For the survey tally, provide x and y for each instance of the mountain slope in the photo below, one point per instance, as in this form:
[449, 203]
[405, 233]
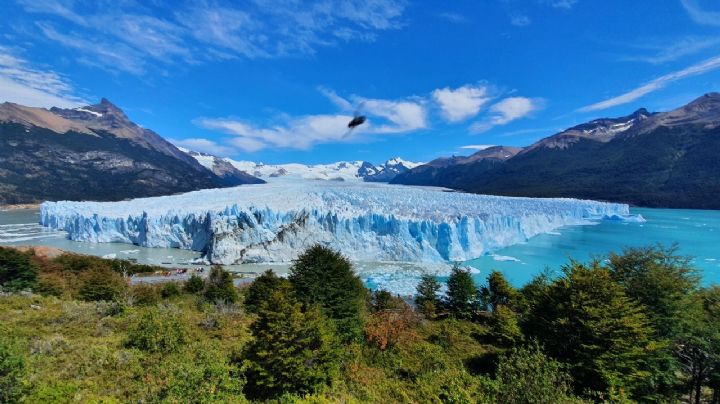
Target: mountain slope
[666, 159]
[454, 172]
[230, 175]
[93, 152]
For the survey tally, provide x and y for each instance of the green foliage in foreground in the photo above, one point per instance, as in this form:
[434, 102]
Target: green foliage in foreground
[262, 287]
[635, 327]
[17, 270]
[462, 294]
[526, 375]
[293, 351]
[323, 277]
[12, 371]
[219, 286]
[158, 331]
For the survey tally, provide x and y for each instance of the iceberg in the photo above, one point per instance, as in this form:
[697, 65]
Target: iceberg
[365, 221]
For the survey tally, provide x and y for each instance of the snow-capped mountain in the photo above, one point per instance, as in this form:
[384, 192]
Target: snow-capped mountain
[339, 171]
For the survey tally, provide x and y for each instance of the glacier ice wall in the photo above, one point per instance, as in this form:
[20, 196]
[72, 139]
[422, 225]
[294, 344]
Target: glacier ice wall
[366, 222]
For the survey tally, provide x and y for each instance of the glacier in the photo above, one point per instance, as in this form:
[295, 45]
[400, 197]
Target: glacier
[365, 221]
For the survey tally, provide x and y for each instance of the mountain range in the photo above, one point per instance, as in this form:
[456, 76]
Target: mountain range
[659, 159]
[93, 152]
[339, 171]
[664, 159]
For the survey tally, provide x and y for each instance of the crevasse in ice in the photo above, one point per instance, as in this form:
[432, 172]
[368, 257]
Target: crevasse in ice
[366, 222]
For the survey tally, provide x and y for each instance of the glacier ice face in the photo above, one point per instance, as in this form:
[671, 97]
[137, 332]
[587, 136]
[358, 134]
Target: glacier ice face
[365, 221]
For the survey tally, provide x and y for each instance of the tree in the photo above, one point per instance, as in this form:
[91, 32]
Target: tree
[664, 283]
[17, 270]
[659, 279]
[462, 295]
[699, 348]
[12, 371]
[526, 375]
[158, 331]
[586, 320]
[325, 277]
[426, 299]
[382, 300]
[261, 289]
[101, 284]
[219, 286]
[498, 291]
[505, 327]
[194, 285]
[293, 351]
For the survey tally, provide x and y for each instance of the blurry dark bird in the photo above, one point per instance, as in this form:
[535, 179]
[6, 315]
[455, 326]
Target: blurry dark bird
[357, 121]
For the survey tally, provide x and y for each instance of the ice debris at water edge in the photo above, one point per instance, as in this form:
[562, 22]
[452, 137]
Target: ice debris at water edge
[366, 222]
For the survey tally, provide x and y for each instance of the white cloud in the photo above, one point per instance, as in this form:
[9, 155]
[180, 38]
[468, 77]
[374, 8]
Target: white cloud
[668, 51]
[128, 36]
[298, 133]
[453, 17]
[656, 84]
[114, 57]
[506, 111]
[699, 15]
[477, 146]
[461, 103]
[339, 102]
[202, 145]
[566, 4]
[24, 84]
[520, 20]
[403, 116]
[384, 117]
[399, 115]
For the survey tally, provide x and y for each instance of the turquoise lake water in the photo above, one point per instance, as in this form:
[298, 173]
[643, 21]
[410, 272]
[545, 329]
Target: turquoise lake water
[697, 233]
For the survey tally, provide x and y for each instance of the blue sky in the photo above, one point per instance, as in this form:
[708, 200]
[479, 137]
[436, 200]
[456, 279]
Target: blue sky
[277, 81]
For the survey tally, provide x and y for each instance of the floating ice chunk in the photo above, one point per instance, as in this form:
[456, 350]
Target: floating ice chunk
[504, 258]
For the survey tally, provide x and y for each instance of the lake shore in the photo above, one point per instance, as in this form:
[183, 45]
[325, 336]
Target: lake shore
[20, 206]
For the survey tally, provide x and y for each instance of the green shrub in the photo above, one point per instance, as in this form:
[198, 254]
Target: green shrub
[158, 331]
[170, 290]
[526, 375]
[194, 285]
[101, 284]
[202, 375]
[17, 270]
[145, 295]
[12, 371]
[51, 284]
[219, 286]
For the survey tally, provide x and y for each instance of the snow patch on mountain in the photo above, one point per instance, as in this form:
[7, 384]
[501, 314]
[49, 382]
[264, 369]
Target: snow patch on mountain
[339, 171]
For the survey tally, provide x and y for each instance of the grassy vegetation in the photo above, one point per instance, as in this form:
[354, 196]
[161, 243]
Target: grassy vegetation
[635, 328]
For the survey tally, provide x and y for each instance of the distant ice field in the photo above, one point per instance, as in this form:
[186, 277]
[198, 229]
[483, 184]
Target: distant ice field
[365, 221]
